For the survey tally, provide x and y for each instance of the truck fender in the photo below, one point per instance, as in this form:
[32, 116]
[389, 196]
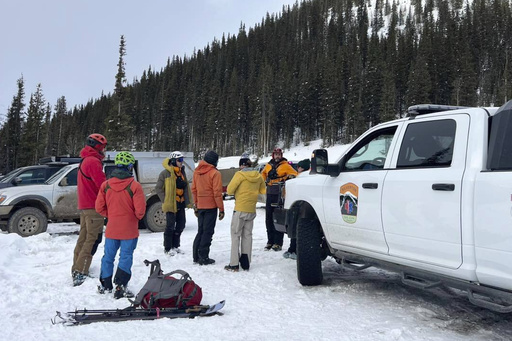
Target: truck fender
[294, 213]
[36, 201]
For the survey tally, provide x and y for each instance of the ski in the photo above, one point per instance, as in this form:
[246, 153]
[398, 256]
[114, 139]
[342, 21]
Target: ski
[86, 316]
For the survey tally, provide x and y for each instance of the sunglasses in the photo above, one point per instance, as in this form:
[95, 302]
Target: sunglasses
[179, 159]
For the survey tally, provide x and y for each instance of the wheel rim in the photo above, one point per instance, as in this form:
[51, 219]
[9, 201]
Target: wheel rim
[28, 225]
[159, 218]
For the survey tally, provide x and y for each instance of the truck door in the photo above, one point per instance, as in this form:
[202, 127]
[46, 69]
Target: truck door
[65, 204]
[421, 201]
[352, 200]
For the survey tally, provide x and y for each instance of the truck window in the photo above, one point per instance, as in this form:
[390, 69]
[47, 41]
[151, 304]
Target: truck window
[427, 144]
[371, 152]
[71, 178]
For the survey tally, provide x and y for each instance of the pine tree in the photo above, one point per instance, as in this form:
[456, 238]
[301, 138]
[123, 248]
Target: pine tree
[31, 146]
[119, 125]
[15, 120]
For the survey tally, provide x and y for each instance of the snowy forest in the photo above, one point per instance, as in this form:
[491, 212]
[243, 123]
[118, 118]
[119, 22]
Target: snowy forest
[319, 69]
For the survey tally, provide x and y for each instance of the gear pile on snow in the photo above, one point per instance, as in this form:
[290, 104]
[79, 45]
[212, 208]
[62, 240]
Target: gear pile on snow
[162, 296]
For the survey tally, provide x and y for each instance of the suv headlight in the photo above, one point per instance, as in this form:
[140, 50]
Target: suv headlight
[2, 198]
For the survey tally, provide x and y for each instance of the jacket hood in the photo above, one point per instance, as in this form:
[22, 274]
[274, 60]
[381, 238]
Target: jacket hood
[90, 151]
[250, 174]
[118, 184]
[204, 167]
[166, 165]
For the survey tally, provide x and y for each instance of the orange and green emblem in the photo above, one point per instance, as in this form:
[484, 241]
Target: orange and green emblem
[349, 193]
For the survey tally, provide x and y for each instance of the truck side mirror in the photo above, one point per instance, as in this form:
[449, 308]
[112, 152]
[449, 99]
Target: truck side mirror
[319, 161]
[16, 181]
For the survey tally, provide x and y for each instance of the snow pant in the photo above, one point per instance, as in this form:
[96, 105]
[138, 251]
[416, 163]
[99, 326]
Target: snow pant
[273, 236]
[241, 236]
[91, 225]
[207, 219]
[293, 245]
[174, 228]
[124, 267]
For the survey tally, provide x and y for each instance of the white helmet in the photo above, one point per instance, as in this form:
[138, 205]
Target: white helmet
[175, 155]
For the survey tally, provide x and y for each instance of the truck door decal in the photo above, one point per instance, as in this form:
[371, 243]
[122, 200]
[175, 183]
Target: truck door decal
[349, 193]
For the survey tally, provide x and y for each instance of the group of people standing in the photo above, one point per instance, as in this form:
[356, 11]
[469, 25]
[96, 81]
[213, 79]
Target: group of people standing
[120, 203]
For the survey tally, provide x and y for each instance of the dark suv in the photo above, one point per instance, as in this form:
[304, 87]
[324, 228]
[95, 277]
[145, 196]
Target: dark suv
[33, 175]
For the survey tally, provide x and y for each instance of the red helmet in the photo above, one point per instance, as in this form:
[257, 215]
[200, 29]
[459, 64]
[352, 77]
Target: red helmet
[97, 141]
[277, 151]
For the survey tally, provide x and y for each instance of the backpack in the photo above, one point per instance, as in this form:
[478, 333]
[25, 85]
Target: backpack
[165, 291]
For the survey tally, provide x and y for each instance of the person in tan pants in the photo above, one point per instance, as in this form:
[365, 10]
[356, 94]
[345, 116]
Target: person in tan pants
[245, 186]
[90, 177]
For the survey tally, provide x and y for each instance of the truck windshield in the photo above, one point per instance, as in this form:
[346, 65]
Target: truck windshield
[57, 175]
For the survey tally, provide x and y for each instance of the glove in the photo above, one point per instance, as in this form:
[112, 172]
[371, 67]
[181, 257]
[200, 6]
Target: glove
[221, 215]
[196, 212]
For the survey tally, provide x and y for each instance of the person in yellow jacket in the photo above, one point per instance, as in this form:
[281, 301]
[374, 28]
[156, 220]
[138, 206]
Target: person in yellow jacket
[245, 185]
[174, 193]
[276, 171]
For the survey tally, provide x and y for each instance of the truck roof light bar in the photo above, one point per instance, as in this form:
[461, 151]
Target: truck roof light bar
[422, 109]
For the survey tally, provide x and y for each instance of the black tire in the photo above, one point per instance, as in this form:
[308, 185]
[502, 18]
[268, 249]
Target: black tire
[309, 252]
[155, 220]
[28, 221]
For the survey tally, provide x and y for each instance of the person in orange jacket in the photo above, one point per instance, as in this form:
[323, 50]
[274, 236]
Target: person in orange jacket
[122, 201]
[207, 192]
[276, 171]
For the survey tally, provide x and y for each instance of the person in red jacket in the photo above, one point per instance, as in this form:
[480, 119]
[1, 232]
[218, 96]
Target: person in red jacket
[90, 177]
[207, 192]
[121, 200]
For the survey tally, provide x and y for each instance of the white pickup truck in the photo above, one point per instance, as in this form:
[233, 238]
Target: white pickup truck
[428, 196]
[26, 210]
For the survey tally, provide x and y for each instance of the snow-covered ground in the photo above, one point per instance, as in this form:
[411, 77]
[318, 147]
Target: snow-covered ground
[265, 303]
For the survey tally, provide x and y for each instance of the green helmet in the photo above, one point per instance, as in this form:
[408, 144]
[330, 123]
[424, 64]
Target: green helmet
[124, 159]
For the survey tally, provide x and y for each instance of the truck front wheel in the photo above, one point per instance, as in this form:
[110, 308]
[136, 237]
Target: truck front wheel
[309, 252]
[155, 220]
[28, 221]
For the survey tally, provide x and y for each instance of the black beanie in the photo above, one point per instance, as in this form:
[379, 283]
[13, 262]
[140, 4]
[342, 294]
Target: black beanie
[244, 162]
[304, 164]
[211, 157]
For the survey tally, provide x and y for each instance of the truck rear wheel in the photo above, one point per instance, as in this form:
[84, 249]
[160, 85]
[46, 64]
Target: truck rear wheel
[155, 220]
[309, 252]
[28, 221]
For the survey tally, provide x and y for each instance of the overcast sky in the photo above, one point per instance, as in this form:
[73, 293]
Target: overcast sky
[71, 47]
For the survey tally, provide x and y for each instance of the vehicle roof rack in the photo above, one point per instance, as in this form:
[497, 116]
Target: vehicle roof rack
[66, 159]
[422, 109]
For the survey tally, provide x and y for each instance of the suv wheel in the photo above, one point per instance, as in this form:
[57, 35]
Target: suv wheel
[27, 221]
[155, 220]
[309, 252]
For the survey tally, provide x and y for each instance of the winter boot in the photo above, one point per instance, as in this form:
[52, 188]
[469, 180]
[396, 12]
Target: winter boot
[268, 247]
[102, 290]
[170, 252]
[206, 261]
[106, 285]
[233, 268]
[78, 278]
[276, 247]
[244, 261]
[122, 291]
